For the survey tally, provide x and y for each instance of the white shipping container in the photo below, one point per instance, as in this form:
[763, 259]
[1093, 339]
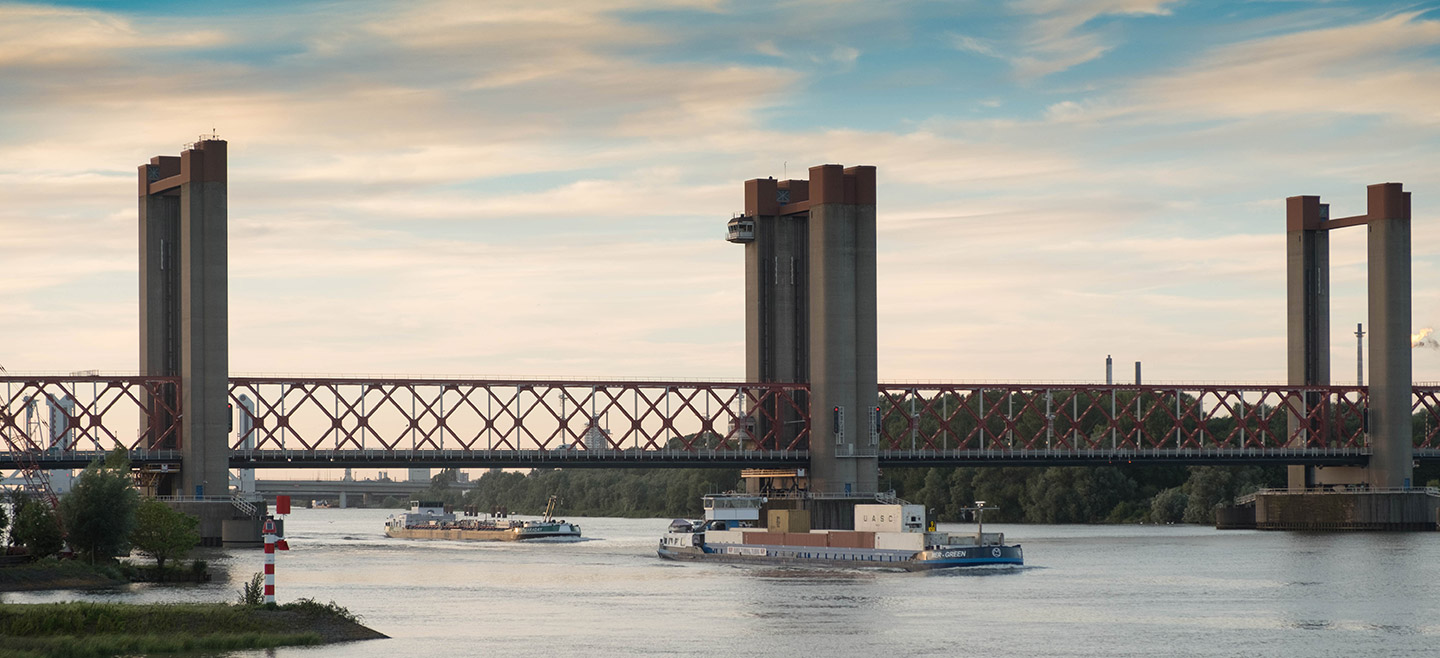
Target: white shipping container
[900, 541]
[728, 536]
[890, 518]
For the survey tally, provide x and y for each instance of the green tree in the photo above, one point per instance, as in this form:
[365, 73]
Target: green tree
[4, 525]
[99, 511]
[37, 529]
[1169, 506]
[163, 533]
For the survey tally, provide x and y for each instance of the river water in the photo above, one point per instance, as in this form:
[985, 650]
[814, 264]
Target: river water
[1085, 591]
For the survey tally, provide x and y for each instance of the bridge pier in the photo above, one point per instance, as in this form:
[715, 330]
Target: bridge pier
[1344, 497]
[184, 312]
[811, 313]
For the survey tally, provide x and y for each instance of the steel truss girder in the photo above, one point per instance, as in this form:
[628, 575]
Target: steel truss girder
[1086, 418]
[602, 421]
[339, 414]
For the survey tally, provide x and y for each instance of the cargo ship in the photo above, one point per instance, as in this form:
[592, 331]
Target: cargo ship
[890, 534]
[430, 520]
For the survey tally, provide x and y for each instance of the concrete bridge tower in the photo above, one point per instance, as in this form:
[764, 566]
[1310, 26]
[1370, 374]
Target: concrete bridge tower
[1387, 222]
[810, 312]
[184, 308]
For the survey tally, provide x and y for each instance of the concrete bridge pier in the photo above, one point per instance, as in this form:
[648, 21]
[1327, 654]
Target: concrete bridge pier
[1340, 498]
[810, 316]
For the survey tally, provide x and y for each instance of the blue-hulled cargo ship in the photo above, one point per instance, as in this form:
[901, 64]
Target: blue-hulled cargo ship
[890, 534]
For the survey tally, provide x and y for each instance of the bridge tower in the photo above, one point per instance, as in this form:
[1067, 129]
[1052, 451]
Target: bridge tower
[810, 311]
[184, 308]
[1387, 221]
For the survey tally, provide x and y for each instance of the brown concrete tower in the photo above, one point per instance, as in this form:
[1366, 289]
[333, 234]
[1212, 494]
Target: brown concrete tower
[1307, 273]
[1391, 380]
[184, 309]
[810, 311]
[1387, 222]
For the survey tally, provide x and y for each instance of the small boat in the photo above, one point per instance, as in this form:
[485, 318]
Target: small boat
[887, 534]
[430, 520]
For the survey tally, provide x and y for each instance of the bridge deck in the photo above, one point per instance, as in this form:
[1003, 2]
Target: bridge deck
[292, 459]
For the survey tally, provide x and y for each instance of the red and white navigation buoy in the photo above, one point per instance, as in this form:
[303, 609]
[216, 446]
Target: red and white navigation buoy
[272, 542]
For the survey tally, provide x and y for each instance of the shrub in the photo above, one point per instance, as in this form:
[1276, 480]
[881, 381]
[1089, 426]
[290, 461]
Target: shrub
[253, 592]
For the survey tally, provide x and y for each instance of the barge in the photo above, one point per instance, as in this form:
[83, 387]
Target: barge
[886, 535]
[430, 520]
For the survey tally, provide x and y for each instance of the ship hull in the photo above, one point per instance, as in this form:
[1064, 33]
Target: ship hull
[461, 534]
[949, 557]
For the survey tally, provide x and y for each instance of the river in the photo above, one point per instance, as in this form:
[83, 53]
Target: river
[1085, 591]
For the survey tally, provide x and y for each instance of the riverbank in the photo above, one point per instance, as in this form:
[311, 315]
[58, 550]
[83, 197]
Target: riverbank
[59, 574]
[51, 630]
[51, 573]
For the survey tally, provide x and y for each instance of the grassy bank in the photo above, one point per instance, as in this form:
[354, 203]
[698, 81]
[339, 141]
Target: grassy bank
[60, 574]
[51, 573]
[85, 630]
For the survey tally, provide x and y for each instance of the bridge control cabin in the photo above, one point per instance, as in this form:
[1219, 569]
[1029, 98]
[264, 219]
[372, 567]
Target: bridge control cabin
[740, 230]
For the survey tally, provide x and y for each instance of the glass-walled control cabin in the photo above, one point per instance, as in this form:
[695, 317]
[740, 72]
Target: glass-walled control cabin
[740, 230]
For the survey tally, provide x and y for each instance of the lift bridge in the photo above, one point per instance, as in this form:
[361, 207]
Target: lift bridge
[338, 422]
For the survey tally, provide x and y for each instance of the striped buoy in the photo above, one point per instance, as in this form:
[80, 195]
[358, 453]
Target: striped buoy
[270, 536]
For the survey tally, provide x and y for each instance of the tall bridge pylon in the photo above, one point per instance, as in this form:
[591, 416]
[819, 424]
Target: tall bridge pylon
[1387, 222]
[184, 307]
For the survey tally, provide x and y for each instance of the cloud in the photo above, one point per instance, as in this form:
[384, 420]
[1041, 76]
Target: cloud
[1057, 40]
[539, 190]
[48, 38]
[1375, 68]
[975, 45]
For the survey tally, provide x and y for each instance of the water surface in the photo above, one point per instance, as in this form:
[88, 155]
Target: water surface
[1086, 591]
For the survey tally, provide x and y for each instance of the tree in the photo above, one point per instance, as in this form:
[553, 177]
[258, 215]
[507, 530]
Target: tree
[163, 533]
[99, 511]
[37, 529]
[17, 499]
[1169, 506]
[4, 523]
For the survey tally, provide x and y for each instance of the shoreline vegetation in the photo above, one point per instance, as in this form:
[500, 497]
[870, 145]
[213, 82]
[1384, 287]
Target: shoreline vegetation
[83, 630]
[1114, 494]
[53, 573]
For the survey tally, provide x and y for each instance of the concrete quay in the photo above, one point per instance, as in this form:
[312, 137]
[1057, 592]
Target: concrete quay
[1334, 509]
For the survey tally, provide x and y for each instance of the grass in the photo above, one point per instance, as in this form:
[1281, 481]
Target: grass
[82, 630]
[51, 573]
[104, 646]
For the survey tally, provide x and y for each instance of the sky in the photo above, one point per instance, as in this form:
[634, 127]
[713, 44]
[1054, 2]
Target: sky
[540, 189]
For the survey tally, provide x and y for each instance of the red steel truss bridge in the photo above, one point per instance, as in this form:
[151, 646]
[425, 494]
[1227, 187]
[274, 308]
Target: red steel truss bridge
[49, 422]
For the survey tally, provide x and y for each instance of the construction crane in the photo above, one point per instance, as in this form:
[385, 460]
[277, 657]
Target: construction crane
[19, 440]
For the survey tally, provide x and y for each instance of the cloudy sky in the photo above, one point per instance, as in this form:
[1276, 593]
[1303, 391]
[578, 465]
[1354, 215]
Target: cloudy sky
[540, 188]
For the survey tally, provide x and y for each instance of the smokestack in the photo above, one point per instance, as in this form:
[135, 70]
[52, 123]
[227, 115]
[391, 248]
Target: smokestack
[1109, 371]
[1137, 373]
[1359, 355]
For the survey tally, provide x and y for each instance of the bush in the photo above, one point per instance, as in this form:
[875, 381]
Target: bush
[253, 592]
[315, 608]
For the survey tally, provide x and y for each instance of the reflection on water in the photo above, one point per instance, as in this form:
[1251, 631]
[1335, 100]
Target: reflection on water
[1088, 591]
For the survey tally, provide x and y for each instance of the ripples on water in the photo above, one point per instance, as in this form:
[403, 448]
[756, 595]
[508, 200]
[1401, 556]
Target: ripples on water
[1087, 591]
